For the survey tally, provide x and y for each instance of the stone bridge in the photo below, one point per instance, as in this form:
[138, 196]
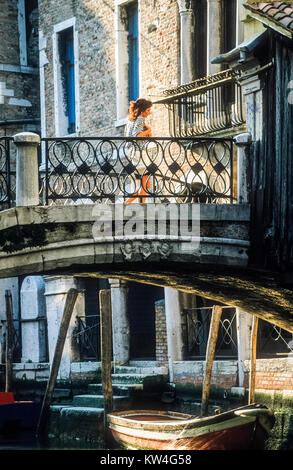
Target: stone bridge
[196, 248]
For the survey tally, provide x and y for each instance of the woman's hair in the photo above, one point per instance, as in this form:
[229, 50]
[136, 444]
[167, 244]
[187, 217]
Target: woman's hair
[137, 107]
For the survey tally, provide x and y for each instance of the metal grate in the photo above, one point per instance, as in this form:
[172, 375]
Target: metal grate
[273, 341]
[86, 336]
[197, 331]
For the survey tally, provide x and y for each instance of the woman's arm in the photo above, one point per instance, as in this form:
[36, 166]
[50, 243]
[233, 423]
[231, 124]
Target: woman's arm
[146, 133]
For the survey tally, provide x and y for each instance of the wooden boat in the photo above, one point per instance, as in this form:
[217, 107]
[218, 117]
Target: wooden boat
[17, 415]
[246, 427]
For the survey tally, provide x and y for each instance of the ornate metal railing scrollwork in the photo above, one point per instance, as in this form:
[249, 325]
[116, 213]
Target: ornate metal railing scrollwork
[86, 336]
[197, 330]
[273, 341]
[7, 174]
[114, 169]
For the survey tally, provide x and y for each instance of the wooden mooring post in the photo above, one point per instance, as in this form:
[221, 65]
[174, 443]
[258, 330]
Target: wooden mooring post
[210, 353]
[253, 345]
[63, 329]
[9, 342]
[106, 354]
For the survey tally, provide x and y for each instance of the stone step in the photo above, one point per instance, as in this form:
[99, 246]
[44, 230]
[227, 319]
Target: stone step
[66, 410]
[62, 393]
[142, 363]
[145, 379]
[140, 370]
[128, 378]
[95, 400]
[118, 389]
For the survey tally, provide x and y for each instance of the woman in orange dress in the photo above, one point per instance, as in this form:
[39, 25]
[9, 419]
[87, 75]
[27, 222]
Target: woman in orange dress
[139, 110]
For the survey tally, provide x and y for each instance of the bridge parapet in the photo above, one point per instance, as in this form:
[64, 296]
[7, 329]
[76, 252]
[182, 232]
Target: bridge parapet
[46, 238]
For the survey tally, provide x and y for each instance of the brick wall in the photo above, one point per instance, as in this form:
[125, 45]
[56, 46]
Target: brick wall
[95, 23]
[190, 374]
[161, 332]
[272, 374]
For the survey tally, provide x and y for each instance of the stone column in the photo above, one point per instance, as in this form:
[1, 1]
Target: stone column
[33, 316]
[214, 34]
[56, 288]
[243, 142]
[120, 321]
[186, 41]
[174, 329]
[243, 325]
[27, 170]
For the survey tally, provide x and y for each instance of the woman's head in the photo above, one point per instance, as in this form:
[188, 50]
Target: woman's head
[138, 107]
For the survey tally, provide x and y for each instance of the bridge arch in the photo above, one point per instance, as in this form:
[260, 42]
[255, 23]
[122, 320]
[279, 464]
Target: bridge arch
[60, 240]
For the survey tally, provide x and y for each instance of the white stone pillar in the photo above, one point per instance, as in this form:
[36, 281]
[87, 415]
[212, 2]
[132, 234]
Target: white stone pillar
[174, 328]
[120, 321]
[243, 325]
[243, 142]
[33, 316]
[56, 288]
[27, 169]
[214, 34]
[186, 41]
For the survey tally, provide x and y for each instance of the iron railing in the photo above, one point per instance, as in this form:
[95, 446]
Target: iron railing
[86, 336]
[273, 341]
[7, 174]
[205, 106]
[197, 324]
[120, 169]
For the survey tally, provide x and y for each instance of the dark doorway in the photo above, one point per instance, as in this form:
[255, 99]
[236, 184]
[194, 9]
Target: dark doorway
[141, 310]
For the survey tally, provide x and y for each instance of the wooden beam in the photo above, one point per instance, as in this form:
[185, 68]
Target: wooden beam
[66, 317]
[253, 345]
[9, 342]
[210, 353]
[106, 354]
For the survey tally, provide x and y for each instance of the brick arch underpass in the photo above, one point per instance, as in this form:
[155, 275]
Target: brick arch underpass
[60, 240]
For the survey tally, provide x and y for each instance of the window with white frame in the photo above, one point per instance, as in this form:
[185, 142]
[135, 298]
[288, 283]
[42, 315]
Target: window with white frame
[127, 55]
[66, 89]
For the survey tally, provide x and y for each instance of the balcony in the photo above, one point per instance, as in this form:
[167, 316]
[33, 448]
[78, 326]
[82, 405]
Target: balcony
[208, 106]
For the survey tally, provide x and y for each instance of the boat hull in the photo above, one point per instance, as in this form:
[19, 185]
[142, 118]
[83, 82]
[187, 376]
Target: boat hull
[151, 430]
[17, 415]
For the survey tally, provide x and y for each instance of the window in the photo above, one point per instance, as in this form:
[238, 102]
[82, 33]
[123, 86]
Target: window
[66, 88]
[127, 56]
[200, 46]
[133, 73]
[230, 25]
[66, 54]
